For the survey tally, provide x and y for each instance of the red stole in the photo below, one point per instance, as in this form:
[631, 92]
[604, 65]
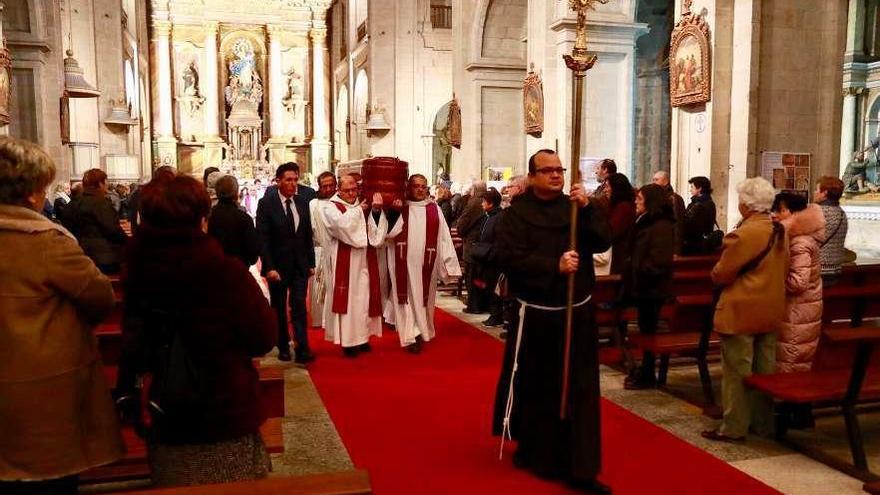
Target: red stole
[343, 267]
[432, 214]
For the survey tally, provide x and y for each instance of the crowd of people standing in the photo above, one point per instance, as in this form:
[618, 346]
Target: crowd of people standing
[194, 316]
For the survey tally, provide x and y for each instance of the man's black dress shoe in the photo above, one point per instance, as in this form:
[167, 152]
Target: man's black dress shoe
[590, 486]
[304, 356]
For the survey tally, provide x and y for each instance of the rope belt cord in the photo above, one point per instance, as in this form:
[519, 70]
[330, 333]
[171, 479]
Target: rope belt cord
[508, 408]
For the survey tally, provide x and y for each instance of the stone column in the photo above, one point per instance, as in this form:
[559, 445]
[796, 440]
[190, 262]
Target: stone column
[744, 83]
[167, 143]
[213, 152]
[848, 125]
[277, 138]
[320, 140]
[855, 30]
[855, 52]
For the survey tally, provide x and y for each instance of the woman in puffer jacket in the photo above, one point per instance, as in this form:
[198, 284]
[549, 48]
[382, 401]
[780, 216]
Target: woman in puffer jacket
[798, 336]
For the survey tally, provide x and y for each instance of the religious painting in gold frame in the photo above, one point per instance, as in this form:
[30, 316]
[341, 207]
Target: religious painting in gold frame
[5, 83]
[690, 61]
[533, 104]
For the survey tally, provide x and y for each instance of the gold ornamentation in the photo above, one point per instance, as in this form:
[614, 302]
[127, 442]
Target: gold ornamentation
[533, 103]
[580, 60]
[690, 68]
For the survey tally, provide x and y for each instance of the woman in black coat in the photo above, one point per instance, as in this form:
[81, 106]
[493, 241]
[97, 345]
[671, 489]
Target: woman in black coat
[92, 219]
[699, 218]
[231, 226]
[648, 274]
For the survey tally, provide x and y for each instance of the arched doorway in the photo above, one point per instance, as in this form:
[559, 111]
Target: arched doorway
[441, 155]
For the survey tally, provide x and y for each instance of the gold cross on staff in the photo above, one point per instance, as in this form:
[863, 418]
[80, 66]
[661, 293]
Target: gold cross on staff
[580, 60]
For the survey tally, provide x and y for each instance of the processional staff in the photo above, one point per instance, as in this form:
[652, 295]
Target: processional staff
[579, 62]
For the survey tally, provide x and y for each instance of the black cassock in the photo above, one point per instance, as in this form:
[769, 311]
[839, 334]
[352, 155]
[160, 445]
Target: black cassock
[531, 236]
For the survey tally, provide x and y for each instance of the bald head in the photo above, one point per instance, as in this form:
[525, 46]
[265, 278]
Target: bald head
[661, 178]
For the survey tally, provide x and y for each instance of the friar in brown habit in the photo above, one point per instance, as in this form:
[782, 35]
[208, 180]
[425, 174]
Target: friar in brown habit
[532, 250]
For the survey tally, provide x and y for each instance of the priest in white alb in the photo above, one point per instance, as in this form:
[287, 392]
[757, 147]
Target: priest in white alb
[353, 306]
[419, 252]
[318, 283]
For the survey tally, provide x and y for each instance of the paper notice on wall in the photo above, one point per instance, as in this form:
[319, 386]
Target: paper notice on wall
[787, 171]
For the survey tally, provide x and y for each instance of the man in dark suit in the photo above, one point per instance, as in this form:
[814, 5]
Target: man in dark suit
[285, 227]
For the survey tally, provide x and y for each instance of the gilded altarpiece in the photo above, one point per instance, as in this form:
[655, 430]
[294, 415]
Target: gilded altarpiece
[240, 81]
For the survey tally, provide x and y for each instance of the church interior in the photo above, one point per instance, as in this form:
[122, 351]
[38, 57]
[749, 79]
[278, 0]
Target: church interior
[465, 92]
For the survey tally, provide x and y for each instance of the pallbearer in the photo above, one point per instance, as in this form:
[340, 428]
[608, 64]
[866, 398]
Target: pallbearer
[531, 248]
[353, 305]
[420, 253]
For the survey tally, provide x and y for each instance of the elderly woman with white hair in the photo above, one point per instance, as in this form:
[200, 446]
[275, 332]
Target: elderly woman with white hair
[751, 278]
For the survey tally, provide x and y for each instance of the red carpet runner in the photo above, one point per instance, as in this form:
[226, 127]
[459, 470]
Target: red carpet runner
[420, 424]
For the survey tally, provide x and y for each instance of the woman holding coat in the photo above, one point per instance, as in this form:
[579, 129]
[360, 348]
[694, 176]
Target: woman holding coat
[802, 322]
[56, 414]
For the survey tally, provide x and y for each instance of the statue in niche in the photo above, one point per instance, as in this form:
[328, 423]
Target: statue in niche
[190, 99]
[294, 100]
[191, 80]
[244, 80]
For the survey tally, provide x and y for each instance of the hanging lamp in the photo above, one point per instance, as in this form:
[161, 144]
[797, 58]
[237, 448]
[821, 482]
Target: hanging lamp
[75, 84]
[120, 113]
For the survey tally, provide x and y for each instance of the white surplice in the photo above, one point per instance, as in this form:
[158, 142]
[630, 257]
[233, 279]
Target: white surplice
[415, 318]
[355, 326]
[318, 283]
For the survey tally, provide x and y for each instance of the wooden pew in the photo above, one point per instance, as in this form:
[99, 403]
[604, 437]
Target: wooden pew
[690, 335]
[695, 263]
[356, 482]
[846, 369]
[838, 387]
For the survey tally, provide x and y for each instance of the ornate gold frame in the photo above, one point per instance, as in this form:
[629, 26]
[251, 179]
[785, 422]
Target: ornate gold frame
[697, 27]
[533, 104]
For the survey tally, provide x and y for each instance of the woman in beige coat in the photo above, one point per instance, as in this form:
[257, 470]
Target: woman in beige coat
[798, 335]
[56, 415]
[751, 276]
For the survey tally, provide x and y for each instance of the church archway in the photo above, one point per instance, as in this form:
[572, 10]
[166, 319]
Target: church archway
[441, 154]
[503, 27]
[342, 125]
[360, 113]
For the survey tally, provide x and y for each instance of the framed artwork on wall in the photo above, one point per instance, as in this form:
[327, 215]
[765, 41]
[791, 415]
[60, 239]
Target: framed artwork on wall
[690, 61]
[533, 104]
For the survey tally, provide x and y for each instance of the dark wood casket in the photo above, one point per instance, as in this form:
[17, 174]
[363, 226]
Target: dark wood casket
[385, 175]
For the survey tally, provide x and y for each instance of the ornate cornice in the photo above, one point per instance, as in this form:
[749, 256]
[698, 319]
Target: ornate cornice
[318, 34]
[275, 32]
[161, 29]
